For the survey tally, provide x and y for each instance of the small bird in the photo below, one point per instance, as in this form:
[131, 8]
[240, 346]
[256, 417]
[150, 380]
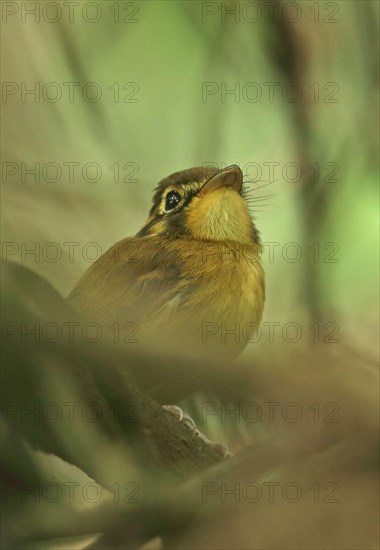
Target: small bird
[189, 283]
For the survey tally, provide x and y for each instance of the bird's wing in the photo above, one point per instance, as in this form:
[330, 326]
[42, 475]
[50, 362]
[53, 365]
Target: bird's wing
[131, 281]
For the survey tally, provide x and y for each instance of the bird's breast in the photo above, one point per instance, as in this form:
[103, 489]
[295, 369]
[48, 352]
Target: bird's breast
[229, 278]
[219, 297]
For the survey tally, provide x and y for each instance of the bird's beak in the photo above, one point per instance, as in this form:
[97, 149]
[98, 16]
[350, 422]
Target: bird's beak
[231, 176]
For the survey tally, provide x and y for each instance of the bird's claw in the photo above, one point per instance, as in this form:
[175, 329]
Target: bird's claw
[182, 417]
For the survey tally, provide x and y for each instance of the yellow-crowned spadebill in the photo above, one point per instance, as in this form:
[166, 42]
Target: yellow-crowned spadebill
[190, 282]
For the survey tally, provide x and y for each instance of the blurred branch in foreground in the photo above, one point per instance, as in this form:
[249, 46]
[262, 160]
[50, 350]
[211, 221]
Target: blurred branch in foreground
[181, 481]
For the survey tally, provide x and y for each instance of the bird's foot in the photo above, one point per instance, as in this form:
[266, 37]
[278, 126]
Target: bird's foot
[181, 416]
[220, 448]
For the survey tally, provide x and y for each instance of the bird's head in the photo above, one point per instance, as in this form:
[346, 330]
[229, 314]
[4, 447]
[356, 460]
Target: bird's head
[202, 203]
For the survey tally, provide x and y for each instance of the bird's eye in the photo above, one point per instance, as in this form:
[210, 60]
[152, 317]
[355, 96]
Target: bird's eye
[172, 200]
